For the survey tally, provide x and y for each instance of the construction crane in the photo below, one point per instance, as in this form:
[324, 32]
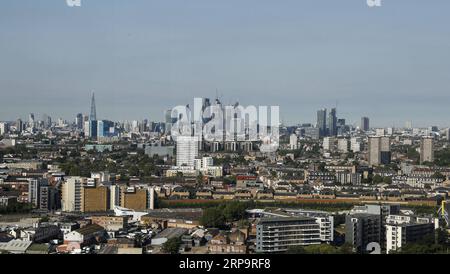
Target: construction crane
[443, 213]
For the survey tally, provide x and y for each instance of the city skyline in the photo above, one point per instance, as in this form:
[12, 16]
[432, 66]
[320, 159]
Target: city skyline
[146, 57]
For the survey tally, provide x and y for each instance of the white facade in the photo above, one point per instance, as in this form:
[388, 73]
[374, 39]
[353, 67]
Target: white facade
[329, 143]
[293, 141]
[343, 145]
[355, 144]
[187, 150]
[3, 128]
[71, 194]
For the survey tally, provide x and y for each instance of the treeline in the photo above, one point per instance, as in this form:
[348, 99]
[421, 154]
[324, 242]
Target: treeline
[324, 206]
[321, 249]
[223, 214]
[16, 208]
[434, 243]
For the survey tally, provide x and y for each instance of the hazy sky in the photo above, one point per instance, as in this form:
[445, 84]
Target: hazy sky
[141, 57]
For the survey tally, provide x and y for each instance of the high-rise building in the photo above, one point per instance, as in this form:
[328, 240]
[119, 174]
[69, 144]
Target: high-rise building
[426, 150]
[365, 124]
[322, 122]
[329, 143]
[105, 128]
[408, 125]
[168, 121]
[374, 151]
[93, 115]
[448, 134]
[355, 144]
[34, 186]
[187, 150]
[79, 121]
[379, 150]
[343, 145]
[332, 123]
[3, 128]
[385, 150]
[71, 194]
[19, 125]
[362, 229]
[277, 234]
[293, 141]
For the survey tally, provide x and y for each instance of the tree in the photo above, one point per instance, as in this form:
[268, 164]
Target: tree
[172, 246]
[377, 179]
[212, 217]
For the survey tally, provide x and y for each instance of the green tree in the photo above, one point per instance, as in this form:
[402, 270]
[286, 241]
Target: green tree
[212, 217]
[172, 246]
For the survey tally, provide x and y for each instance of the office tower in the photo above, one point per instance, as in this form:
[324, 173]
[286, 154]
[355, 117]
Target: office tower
[293, 141]
[31, 119]
[105, 129]
[168, 121]
[448, 134]
[426, 150]
[362, 229]
[332, 123]
[93, 116]
[71, 193]
[322, 122]
[365, 124]
[390, 131]
[187, 150]
[79, 121]
[374, 151]
[19, 125]
[277, 234]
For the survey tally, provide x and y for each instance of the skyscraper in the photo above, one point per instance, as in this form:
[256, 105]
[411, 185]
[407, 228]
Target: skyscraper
[19, 125]
[322, 122]
[365, 124]
[93, 116]
[187, 150]
[79, 121]
[332, 123]
[426, 150]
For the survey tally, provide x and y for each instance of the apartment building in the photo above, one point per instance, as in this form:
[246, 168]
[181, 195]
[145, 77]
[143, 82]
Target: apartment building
[278, 234]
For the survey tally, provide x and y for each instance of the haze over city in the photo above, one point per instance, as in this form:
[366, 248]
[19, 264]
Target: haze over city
[141, 58]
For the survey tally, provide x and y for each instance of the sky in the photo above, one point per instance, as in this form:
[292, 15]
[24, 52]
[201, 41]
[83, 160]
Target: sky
[141, 57]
